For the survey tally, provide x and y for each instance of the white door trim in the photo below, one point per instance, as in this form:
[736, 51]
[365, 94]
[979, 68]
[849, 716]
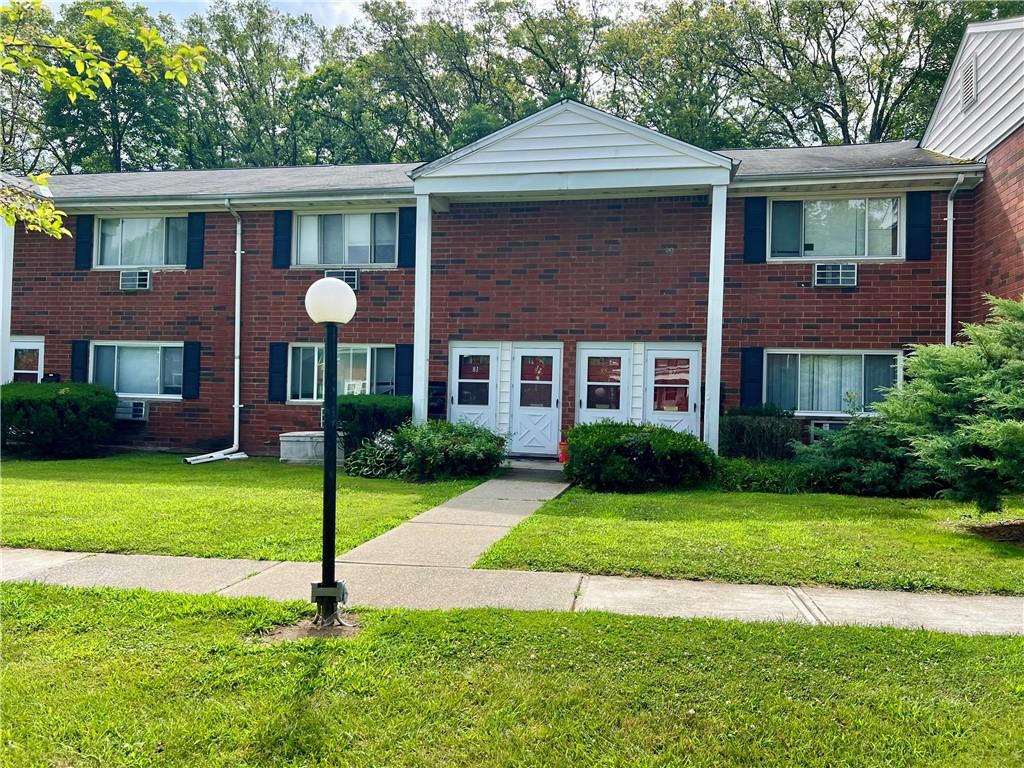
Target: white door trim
[536, 431]
[24, 342]
[692, 422]
[484, 416]
[623, 350]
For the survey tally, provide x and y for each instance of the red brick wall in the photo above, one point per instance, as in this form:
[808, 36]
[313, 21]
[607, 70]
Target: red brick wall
[997, 263]
[52, 299]
[596, 270]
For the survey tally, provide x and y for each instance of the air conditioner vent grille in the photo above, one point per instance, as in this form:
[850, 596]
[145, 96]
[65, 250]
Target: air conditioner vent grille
[135, 280]
[132, 410]
[835, 275]
[350, 276]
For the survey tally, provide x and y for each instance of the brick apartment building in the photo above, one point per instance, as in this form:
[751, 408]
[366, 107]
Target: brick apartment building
[568, 268]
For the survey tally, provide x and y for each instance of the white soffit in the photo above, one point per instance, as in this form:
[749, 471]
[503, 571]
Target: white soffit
[572, 147]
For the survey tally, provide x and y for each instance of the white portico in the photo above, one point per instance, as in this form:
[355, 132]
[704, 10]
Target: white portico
[566, 152]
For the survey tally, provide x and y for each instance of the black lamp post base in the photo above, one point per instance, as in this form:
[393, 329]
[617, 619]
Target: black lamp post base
[328, 598]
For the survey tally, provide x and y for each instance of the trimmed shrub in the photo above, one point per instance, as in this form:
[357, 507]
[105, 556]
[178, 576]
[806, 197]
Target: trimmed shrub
[762, 476]
[440, 449]
[624, 457]
[56, 420]
[363, 416]
[376, 457]
[758, 433]
[865, 458]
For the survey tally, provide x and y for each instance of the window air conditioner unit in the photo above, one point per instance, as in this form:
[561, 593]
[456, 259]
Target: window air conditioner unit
[132, 410]
[350, 276]
[136, 280]
[829, 425]
[835, 275]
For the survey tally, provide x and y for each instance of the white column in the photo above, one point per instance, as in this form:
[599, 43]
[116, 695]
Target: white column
[421, 312]
[6, 297]
[716, 290]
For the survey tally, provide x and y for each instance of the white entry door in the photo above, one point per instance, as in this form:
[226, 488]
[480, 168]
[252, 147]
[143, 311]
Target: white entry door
[473, 373]
[603, 378]
[536, 401]
[672, 389]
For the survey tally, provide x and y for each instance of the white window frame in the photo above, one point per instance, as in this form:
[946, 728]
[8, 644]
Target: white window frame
[901, 254]
[829, 415]
[319, 347]
[98, 241]
[158, 344]
[24, 342]
[343, 265]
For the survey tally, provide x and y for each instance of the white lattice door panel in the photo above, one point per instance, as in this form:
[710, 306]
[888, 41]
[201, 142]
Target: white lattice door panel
[536, 401]
[473, 384]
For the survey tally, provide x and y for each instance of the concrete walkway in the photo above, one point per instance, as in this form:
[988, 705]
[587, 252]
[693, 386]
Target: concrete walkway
[426, 563]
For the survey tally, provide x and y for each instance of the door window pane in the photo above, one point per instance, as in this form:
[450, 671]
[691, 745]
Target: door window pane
[474, 393]
[307, 248]
[476, 367]
[357, 234]
[177, 240]
[883, 227]
[671, 370]
[332, 239]
[103, 363]
[671, 398]
[170, 374]
[833, 228]
[536, 368]
[26, 359]
[604, 396]
[385, 237]
[604, 369]
[535, 395]
[110, 241]
[786, 223]
[603, 391]
[141, 242]
[781, 383]
[879, 371]
[138, 370]
[384, 370]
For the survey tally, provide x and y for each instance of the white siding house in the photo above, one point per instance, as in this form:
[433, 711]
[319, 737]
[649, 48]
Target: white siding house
[983, 99]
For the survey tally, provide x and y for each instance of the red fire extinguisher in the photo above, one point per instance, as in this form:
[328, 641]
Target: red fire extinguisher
[563, 452]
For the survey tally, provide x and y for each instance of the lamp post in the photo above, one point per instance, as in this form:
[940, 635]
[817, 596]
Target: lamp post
[330, 302]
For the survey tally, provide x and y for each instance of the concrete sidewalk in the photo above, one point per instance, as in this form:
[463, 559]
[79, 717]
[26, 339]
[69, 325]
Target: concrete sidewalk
[425, 564]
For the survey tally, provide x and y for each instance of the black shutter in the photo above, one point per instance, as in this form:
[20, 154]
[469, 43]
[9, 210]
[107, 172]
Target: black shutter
[407, 237]
[919, 226]
[755, 230]
[282, 239]
[84, 226]
[277, 375]
[190, 368]
[196, 240]
[80, 359]
[751, 376]
[403, 369]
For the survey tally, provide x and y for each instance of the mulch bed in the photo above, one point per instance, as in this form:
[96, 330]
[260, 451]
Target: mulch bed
[1011, 531]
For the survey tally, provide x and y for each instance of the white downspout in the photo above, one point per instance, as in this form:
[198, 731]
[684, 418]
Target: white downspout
[949, 259]
[232, 452]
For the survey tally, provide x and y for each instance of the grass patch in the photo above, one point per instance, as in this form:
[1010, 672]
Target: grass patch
[126, 678]
[847, 541]
[153, 503]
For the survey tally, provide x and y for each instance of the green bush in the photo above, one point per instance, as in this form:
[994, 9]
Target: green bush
[762, 476]
[363, 416]
[758, 433]
[624, 457]
[376, 457]
[440, 449]
[866, 458]
[56, 420]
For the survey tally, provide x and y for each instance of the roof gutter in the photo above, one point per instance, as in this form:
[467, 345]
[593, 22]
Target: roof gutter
[888, 174]
[356, 196]
[949, 259]
[232, 452]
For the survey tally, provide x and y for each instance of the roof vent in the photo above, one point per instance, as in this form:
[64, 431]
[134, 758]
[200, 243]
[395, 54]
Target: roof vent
[835, 275]
[969, 84]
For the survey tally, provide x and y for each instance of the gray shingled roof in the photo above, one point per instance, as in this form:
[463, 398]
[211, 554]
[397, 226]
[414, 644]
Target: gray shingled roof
[755, 164]
[855, 158]
[237, 182]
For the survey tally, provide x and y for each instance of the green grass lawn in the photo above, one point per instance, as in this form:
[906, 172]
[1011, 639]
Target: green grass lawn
[121, 678]
[256, 508]
[765, 538]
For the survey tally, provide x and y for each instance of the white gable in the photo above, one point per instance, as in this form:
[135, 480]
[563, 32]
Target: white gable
[572, 146]
[990, 63]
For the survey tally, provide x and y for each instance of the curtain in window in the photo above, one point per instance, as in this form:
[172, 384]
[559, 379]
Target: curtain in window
[142, 242]
[827, 382]
[385, 236]
[879, 371]
[883, 227]
[103, 365]
[110, 241]
[781, 389]
[358, 238]
[384, 371]
[786, 215]
[833, 228]
[170, 373]
[138, 370]
[177, 240]
[307, 249]
[332, 239]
